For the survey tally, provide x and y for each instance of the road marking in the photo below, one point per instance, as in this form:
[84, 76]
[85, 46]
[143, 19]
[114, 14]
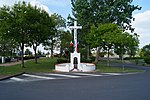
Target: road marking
[87, 74]
[17, 79]
[112, 73]
[71, 76]
[36, 76]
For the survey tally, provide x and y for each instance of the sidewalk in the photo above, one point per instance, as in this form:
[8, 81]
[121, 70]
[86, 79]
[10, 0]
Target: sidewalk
[11, 63]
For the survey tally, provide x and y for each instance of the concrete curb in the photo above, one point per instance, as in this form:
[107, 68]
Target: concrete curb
[7, 77]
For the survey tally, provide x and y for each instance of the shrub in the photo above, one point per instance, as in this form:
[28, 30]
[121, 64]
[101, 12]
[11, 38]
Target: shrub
[86, 60]
[92, 58]
[7, 59]
[136, 61]
[62, 60]
[147, 60]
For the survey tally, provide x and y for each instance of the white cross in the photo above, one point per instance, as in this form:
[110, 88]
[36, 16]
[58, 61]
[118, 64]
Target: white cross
[75, 27]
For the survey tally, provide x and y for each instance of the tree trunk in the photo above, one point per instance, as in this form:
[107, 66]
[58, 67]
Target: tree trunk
[52, 48]
[108, 60]
[97, 55]
[11, 53]
[88, 51]
[52, 52]
[122, 57]
[35, 53]
[22, 53]
[61, 51]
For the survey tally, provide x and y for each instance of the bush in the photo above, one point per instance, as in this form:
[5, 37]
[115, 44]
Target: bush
[86, 60]
[136, 61]
[7, 59]
[62, 60]
[92, 58]
[147, 60]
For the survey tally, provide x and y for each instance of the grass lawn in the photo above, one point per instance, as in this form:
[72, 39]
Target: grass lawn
[44, 65]
[102, 67]
[47, 65]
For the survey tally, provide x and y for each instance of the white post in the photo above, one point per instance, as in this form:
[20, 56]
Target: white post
[3, 60]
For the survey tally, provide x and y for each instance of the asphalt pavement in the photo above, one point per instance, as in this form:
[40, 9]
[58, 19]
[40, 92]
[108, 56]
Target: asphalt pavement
[113, 87]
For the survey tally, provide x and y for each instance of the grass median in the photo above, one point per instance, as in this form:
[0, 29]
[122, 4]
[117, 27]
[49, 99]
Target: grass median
[47, 65]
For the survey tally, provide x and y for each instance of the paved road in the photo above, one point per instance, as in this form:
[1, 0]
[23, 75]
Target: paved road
[26, 77]
[113, 87]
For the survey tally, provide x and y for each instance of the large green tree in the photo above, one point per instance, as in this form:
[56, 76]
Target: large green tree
[104, 11]
[103, 37]
[94, 12]
[41, 27]
[126, 43]
[26, 25]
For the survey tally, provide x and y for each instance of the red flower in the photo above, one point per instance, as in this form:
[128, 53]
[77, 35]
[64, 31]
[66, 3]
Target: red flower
[71, 44]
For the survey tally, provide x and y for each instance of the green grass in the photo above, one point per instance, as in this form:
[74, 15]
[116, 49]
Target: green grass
[101, 67]
[44, 65]
[47, 65]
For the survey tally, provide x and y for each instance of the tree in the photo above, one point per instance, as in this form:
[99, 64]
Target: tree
[95, 12]
[3, 29]
[104, 11]
[18, 28]
[133, 43]
[146, 50]
[126, 43]
[53, 40]
[104, 36]
[13, 24]
[41, 26]
[65, 38]
[26, 25]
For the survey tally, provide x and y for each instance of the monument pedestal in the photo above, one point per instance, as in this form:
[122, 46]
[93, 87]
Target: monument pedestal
[75, 61]
[75, 65]
[83, 67]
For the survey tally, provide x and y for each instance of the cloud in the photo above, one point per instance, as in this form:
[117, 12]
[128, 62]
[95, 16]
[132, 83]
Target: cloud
[142, 27]
[33, 2]
[6, 2]
[58, 3]
[40, 5]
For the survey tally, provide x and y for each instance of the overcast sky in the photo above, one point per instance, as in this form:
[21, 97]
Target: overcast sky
[63, 7]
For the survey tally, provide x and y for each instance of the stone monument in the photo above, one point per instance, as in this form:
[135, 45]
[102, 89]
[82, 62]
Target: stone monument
[75, 56]
[75, 64]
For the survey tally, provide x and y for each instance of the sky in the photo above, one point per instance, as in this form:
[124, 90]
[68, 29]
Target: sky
[63, 8]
